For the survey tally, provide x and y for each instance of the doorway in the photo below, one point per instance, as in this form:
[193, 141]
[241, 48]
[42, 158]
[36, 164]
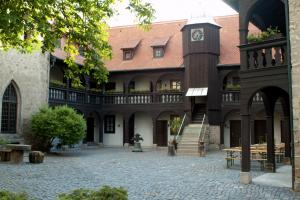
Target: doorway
[162, 132]
[90, 129]
[235, 132]
[259, 130]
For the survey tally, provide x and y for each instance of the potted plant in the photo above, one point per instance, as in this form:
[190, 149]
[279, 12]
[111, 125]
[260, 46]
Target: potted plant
[168, 89]
[58, 83]
[232, 87]
[95, 90]
[174, 127]
[113, 91]
[138, 91]
[265, 35]
[77, 84]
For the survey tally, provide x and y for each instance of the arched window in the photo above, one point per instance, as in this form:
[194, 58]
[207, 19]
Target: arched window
[9, 110]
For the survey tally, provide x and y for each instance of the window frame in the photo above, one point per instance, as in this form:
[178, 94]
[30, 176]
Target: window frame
[9, 101]
[114, 124]
[110, 84]
[178, 82]
[234, 79]
[124, 55]
[155, 49]
[80, 50]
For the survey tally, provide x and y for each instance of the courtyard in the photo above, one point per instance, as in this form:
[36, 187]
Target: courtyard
[148, 175]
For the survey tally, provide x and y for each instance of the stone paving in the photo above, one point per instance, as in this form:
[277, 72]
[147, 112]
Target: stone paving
[148, 175]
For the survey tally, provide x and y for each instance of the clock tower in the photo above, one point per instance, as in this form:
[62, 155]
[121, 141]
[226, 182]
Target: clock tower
[201, 51]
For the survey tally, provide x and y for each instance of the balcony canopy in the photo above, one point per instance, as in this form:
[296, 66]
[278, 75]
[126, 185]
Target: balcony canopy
[196, 92]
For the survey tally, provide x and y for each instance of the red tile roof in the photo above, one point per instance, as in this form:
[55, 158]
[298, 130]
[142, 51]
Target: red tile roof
[160, 34]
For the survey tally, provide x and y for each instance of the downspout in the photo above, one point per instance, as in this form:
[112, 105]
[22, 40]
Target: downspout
[287, 22]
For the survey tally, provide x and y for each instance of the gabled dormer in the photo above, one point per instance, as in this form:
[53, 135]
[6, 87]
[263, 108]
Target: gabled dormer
[129, 49]
[159, 46]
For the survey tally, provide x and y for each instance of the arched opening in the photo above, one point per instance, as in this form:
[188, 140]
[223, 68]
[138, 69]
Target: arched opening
[82, 80]
[113, 129]
[114, 84]
[232, 129]
[231, 81]
[168, 81]
[9, 110]
[141, 122]
[163, 123]
[92, 84]
[56, 74]
[140, 83]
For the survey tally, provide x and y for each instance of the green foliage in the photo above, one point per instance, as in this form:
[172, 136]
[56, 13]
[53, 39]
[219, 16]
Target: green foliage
[56, 82]
[113, 91]
[137, 90]
[6, 195]
[4, 141]
[83, 23]
[95, 90]
[175, 126]
[258, 37]
[169, 89]
[230, 87]
[61, 122]
[104, 193]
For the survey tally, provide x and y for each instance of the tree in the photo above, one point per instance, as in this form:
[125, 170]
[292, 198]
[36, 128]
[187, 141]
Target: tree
[61, 122]
[83, 22]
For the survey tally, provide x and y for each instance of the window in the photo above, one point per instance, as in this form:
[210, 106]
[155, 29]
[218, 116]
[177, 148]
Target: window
[58, 46]
[80, 50]
[9, 110]
[127, 55]
[175, 84]
[109, 124]
[110, 86]
[157, 53]
[236, 81]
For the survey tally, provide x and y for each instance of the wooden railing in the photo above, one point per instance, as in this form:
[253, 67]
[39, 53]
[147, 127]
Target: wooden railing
[234, 96]
[55, 93]
[169, 98]
[266, 54]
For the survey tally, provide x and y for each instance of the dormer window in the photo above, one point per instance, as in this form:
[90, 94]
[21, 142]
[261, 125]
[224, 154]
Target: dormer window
[58, 45]
[129, 49]
[159, 46]
[80, 50]
[158, 52]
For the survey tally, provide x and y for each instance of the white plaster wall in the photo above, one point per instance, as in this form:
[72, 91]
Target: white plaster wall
[165, 80]
[119, 83]
[114, 139]
[277, 130]
[56, 74]
[230, 116]
[96, 127]
[143, 125]
[142, 83]
[166, 116]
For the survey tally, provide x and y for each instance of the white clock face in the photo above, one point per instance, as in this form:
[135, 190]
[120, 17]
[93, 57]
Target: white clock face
[197, 34]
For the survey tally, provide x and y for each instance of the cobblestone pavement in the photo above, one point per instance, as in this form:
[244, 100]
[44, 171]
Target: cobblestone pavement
[148, 175]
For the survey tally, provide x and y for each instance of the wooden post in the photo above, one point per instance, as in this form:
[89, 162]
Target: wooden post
[201, 149]
[245, 143]
[101, 132]
[287, 141]
[154, 134]
[126, 143]
[270, 166]
[252, 131]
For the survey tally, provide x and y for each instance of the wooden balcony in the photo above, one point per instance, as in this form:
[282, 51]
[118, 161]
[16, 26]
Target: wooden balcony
[233, 97]
[70, 95]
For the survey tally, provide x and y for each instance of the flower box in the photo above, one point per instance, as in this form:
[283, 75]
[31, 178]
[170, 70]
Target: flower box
[168, 91]
[233, 89]
[271, 37]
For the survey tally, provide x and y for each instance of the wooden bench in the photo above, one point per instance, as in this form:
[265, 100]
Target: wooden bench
[230, 160]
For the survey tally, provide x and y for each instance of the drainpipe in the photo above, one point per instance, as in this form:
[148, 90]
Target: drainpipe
[287, 22]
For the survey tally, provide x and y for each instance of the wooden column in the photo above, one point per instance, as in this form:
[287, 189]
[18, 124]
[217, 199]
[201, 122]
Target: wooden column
[101, 132]
[154, 134]
[126, 95]
[243, 54]
[84, 142]
[252, 131]
[287, 138]
[154, 94]
[270, 166]
[222, 132]
[245, 143]
[68, 82]
[126, 144]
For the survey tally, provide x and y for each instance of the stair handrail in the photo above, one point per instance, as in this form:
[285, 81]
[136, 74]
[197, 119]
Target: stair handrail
[180, 127]
[201, 127]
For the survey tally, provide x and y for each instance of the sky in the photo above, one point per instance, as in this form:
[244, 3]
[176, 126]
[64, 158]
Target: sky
[167, 10]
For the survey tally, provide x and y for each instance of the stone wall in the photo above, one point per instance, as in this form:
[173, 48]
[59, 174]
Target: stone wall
[214, 137]
[29, 73]
[294, 7]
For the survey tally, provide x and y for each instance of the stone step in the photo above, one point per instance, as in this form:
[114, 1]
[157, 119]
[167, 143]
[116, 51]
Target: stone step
[187, 151]
[188, 147]
[189, 139]
[91, 144]
[187, 154]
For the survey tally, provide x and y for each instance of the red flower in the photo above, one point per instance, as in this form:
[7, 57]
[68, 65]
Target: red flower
[66, 86]
[270, 26]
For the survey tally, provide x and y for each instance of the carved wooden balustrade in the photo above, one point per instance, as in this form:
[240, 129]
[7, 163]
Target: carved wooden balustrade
[234, 96]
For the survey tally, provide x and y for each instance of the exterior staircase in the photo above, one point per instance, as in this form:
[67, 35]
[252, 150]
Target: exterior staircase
[188, 145]
[198, 112]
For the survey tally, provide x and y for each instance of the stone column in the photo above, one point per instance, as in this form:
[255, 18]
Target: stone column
[126, 144]
[252, 132]
[154, 145]
[100, 144]
[245, 174]
[270, 166]
[84, 142]
[287, 140]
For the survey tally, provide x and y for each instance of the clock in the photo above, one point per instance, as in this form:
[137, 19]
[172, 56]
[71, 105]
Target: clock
[197, 34]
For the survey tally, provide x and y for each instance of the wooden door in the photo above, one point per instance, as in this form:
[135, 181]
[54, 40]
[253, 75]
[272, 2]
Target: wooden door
[235, 132]
[131, 130]
[259, 130]
[162, 132]
[90, 129]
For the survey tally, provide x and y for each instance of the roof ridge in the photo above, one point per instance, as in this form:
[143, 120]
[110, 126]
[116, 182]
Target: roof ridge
[226, 16]
[154, 23]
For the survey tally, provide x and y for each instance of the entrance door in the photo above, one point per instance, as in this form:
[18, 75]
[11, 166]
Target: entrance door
[90, 129]
[131, 130]
[259, 130]
[162, 132]
[235, 132]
